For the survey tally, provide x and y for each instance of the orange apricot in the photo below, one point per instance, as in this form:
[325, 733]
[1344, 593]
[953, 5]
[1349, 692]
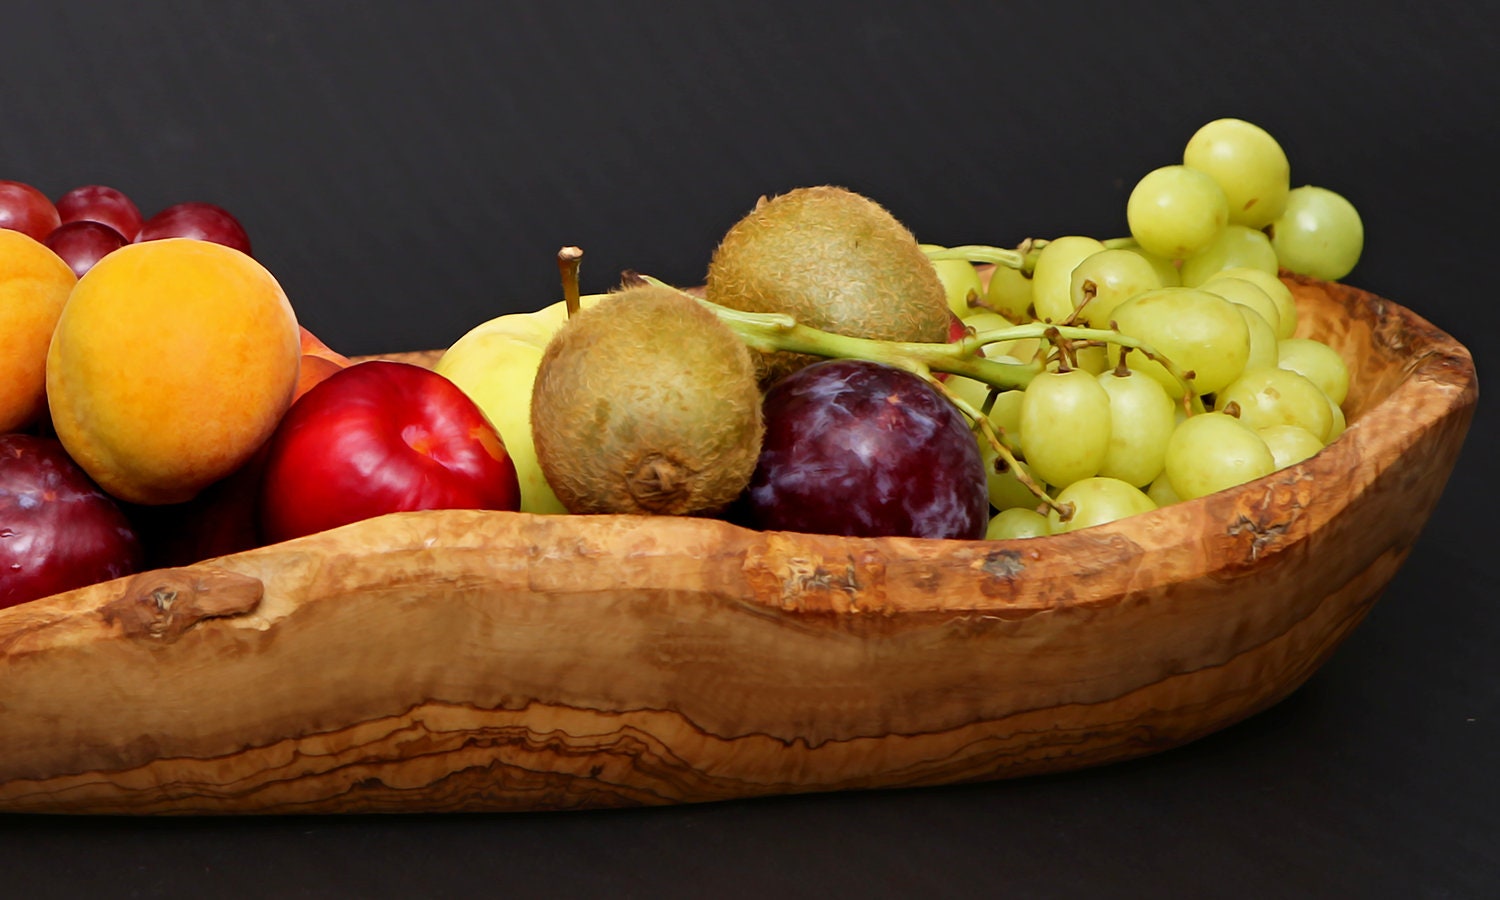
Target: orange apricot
[172, 362]
[34, 285]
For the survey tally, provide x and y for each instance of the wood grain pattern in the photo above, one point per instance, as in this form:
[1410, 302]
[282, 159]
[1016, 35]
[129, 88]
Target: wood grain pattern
[502, 661]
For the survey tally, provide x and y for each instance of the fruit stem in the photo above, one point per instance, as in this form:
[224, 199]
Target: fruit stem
[994, 437]
[1023, 257]
[569, 261]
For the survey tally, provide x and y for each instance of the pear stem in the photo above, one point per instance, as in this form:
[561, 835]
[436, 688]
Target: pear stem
[569, 261]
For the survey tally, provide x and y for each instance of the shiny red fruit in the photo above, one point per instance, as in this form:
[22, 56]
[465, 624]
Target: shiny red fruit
[83, 243]
[58, 531]
[103, 204]
[197, 220]
[381, 437]
[25, 209]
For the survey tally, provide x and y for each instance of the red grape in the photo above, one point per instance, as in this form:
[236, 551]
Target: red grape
[101, 203]
[198, 220]
[25, 209]
[863, 449]
[83, 243]
[58, 531]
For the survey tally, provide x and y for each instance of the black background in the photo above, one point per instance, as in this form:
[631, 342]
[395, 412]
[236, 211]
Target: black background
[409, 170]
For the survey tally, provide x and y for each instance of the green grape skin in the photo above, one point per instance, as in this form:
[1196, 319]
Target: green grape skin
[1213, 451]
[1318, 363]
[1142, 418]
[959, 278]
[1319, 234]
[1175, 211]
[1016, 523]
[1197, 331]
[1277, 290]
[1096, 501]
[1274, 396]
[1006, 490]
[1093, 360]
[1263, 343]
[1052, 275]
[1161, 492]
[1066, 424]
[1289, 444]
[1245, 293]
[1235, 246]
[1336, 413]
[1009, 293]
[1247, 163]
[1166, 269]
[1004, 414]
[1114, 276]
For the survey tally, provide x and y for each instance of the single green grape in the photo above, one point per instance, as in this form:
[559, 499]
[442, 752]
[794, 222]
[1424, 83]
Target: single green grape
[1277, 290]
[1247, 163]
[1235, 246]
[1095, 501]
[1289, 444]
[1006, 489]
[1161, 492]
[1263, 343]
[1318, 363]
[1009, 292]
[1175, 211]
[1336, 413]
[1166, 269]
[959, 278]
[1199, 332]
[1017, 523]
[1319, 234]
[1214, 451]
[1052, 275]
[1113, 276]
[1142, 418]
[1274, 396]
[1245, 293]
[1065, 420]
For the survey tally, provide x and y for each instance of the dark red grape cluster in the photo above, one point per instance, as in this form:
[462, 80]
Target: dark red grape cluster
[90, 221]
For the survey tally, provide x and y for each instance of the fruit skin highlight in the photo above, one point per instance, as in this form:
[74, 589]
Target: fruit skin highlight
[647, 404]
[34, 286]
[834, 260]
[171, 363]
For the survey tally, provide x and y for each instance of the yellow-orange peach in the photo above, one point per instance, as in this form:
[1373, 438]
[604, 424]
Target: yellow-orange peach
[34, 285]
[171, 364]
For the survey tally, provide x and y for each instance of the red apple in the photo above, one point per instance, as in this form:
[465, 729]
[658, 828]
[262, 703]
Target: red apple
[58, 530]
[380, 437]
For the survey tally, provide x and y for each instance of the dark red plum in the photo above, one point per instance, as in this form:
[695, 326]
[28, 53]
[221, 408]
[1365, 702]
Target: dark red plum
[25, 209]
[58, 530]
[83, 243]
[197, 220]
[862, 449]
[103, 204]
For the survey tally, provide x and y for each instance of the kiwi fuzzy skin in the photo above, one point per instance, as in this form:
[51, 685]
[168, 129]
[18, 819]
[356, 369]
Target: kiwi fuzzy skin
[646, 404]
[836, 261]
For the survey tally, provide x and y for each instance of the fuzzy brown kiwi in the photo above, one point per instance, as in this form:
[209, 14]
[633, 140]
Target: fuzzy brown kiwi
[646, 403]
[835, 260]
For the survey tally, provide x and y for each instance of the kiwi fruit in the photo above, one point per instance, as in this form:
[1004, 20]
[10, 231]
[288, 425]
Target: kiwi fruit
[646, 403]
[836, 261]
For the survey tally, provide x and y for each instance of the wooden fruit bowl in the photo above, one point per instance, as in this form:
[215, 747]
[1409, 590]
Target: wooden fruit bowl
[498, 661]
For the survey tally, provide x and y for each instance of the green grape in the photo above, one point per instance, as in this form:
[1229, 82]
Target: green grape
[1095, 501]
[959, 277]
[1017, 523]
[1166, 270]
[1093, 360]
[1247, 163]
[1339, 422]
[1021, 349]
[1052, 275]
[1289, 444]
[1235, 246]
[1175, 211]
[1065, 418]
[1113, 276]
[1005, 487]
[1141, 420]
[1275, 396]
[981, 320]
[1005, 414]
[1198, 331]
[1320, 234]
[1214, 451]
[1245, 293]
[1009, 292]
[1277, 290]
[1263, 343]
[1161, 492]
[1318, 363]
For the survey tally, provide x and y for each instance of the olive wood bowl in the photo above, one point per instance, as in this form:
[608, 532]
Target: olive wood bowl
[445, 661]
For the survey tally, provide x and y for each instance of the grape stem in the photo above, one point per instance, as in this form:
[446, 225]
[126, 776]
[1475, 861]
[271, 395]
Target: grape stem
[1022, 257]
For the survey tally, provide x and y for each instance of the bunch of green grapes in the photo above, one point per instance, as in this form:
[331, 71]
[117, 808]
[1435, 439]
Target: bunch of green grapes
[1227, 392]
